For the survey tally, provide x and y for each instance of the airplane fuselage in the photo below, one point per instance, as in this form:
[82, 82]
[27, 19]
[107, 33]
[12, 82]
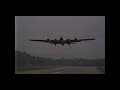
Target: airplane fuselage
[61, 42]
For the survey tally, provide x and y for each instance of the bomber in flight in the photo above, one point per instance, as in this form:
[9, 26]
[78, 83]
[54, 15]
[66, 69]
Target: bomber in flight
[62, 41]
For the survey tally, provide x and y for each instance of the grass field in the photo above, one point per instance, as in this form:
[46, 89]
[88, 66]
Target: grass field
[59, 69]
[23, 68]
[102, 69]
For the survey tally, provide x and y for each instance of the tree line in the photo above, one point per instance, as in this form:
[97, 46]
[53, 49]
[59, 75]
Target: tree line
[25, 59]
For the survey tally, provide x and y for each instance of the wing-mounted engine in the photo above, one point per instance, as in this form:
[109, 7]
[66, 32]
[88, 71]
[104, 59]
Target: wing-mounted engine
[55, 41]
[48, 39]
[75, 39]
[68, 41]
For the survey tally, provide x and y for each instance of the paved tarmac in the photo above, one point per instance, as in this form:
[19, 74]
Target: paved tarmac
[64, 70]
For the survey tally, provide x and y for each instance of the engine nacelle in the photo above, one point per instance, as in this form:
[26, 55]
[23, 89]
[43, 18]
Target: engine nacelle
[48, 39]
[68, 39]
[75, 39]
[55, 40]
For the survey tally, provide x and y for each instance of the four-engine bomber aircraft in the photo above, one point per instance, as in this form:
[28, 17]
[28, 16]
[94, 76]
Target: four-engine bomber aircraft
[62, 41]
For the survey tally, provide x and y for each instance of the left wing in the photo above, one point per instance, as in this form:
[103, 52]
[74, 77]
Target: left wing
[81, 40]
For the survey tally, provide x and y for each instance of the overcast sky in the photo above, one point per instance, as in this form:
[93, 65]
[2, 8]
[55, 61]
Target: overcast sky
[43, 27]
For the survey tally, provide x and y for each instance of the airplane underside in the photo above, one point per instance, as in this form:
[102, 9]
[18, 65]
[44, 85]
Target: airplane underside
[62, 43]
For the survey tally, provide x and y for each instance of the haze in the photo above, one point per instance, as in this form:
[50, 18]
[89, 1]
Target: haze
[53, 27]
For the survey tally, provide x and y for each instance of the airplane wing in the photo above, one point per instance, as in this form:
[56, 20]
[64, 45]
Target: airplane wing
[85, 39]
[79, 40]
[39, 40]
[50, 41]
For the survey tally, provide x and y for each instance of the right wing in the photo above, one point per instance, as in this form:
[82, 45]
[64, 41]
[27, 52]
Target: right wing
[39, 40]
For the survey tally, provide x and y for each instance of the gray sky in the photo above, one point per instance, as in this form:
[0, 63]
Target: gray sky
[43, 27]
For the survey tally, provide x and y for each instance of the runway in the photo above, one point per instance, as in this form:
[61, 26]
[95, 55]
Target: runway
[64, 70]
